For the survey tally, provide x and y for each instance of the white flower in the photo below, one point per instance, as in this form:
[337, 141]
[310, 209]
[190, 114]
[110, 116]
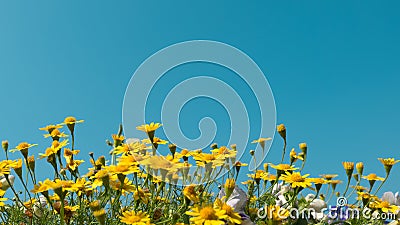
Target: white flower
[393, 199]
[318, 205]
[4, 184]
[237, 200]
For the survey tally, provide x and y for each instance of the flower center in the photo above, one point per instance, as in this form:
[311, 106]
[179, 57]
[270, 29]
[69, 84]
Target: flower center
[297, 178]
[23, 145]
[208, 213]
[136, 219]
[70, 120]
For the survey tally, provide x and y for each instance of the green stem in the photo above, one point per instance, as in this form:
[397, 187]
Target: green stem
[380, 186]
[62, 212]
[347, 186]
[351, 193]
[284, 150]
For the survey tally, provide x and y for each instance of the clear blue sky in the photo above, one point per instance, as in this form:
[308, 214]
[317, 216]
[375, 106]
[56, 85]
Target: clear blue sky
[333, 67]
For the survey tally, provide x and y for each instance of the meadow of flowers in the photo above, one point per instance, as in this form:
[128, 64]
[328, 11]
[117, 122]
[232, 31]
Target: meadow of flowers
[136, 185]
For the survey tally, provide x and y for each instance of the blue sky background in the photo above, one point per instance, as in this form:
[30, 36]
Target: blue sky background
[333, 67]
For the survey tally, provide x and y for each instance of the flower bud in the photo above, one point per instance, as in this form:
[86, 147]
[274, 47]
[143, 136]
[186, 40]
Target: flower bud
[95, 205]
[349, 167]
[229, 187]
[266, 166]
[282, 131]
[214, 146]
[252, 152]
[102, 160]
[172, 149]
[100, 216]
[70, 121]
[360, 168]
[4, 144]
[31, 163]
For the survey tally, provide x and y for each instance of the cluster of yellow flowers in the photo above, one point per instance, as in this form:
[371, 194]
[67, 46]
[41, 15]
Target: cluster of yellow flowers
[142, 187]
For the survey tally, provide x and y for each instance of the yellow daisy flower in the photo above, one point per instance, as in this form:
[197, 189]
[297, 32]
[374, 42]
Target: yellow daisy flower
[282, 168]
[384, 206]
[191, 193]
[50, 128]
[207, 215]
[23, 148]
[135, 218]
[349, 167]
[56, 134]
[296, 179]
[226, 152]
[261, 141]
[70, 121]
[329, 176]
[388, 163]
[149, 127]
[373, 177]
[232, 217]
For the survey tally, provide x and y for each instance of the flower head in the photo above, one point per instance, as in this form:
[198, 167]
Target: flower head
[261, 141]
[4, 145]
[207, 215]
[149, 129]
[388, 163]
[282, 130]
[56, 134]
[191, 193]
[384, 206]
[360, 168]
[118, 139]
[232, 217]
[372, 178]
[100, 215]
[70, 121]
[349, 167]
[296, 179]
[329, 176]
[334, 183]
[17, 166]
[294, 156]
[23, 148]
[229, 186]
[50, 128]
[282, 168]
[318, 182]
[135, 218]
